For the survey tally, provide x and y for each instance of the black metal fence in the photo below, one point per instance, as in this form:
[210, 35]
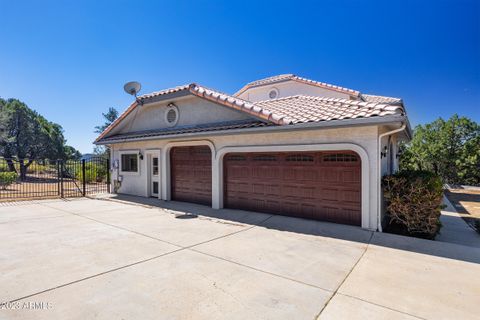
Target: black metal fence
[33, 179]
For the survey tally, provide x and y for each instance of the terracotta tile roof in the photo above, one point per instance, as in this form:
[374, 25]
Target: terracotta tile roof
[164, 92]
[220, 126]
[283, 111]
[300, 109]
[205, 93]
[284, 77]
[380, 99]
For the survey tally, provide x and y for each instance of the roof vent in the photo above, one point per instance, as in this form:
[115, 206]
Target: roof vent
[171, 115]
[273, 93]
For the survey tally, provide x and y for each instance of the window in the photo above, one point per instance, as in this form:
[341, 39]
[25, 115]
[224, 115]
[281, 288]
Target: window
[299, 158]
[155, 166]
[340, 157]
[236, 158]
[265, 157]
[129, 162]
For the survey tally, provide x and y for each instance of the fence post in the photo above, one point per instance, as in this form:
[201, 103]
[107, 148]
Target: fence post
[108, 174]
[83, 177]
[62, 170]
[58, 177]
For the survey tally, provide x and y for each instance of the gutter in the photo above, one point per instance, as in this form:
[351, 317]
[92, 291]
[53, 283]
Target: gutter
[379, 173]
[296, 127]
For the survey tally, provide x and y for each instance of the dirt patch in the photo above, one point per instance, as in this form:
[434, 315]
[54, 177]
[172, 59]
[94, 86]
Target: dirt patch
[467, 204]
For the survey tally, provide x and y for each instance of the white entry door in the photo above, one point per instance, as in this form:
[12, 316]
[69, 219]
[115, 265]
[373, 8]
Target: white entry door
[154, 181]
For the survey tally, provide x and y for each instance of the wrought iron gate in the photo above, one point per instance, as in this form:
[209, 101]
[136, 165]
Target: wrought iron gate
[23, 179]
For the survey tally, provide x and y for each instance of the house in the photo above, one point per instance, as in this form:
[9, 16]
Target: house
[285, 145]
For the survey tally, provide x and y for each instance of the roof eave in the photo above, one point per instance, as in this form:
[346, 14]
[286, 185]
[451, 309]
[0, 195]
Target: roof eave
[357, 122]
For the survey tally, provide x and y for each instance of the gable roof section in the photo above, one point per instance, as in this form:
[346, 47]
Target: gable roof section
[286, 77]
[301, 109]
[381, 99]
[283, 111]
[204, 93]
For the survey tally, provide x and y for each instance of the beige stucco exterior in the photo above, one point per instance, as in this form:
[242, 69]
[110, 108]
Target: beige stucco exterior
[363, 140]
[192, 110]
[366, 140]
[290, 88]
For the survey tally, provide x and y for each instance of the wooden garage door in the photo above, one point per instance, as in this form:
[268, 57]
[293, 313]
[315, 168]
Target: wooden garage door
[315, 185]
[191, 174]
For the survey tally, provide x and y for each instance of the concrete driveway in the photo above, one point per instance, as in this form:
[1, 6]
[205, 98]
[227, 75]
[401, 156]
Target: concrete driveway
[84, 259]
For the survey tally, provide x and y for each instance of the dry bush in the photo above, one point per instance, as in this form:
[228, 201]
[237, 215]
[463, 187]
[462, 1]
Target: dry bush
[414, 201]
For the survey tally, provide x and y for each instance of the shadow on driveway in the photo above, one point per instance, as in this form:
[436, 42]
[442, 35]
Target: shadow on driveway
[312, 227]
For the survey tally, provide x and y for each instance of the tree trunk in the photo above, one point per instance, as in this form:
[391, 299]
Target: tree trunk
[23, 168]
[11, 165]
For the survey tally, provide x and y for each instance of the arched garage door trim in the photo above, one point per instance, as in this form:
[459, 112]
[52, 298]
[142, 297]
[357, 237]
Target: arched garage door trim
[166, 180]
[217, 172]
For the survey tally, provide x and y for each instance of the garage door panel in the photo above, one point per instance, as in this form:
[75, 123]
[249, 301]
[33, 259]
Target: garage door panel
[300, 184]
[191, 174]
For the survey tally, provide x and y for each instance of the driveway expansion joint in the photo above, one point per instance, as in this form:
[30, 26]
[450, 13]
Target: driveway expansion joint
[180, 248]
[346, 277]
[381, 306]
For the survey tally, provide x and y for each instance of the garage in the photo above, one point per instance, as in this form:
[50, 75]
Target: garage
[191, 174]
[315, 185]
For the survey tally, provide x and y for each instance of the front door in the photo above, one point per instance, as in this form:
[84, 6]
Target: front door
[154, 181]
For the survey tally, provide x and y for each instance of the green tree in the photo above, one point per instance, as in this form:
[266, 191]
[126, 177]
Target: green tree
[109, 118]
[450, 148]
[26, 135]
[70, 153]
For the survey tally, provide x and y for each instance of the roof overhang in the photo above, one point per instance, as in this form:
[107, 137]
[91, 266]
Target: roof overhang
[358, 122]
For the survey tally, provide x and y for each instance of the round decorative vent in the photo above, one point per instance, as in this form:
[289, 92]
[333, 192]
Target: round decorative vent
[171, 115]
[273, 93]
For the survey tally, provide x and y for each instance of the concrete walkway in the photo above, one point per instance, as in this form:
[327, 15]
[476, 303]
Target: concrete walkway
[455, 229]
[85, 259]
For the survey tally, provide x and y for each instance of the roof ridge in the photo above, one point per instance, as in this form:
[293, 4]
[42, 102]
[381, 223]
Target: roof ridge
[291, 76]
[160, 92]
[279, 76]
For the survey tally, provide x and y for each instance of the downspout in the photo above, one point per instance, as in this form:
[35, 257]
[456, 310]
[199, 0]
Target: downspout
[379, 181]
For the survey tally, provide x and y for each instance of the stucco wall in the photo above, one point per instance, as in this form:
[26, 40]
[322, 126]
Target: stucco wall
[362, 137]
[289, 88]
[192, 110]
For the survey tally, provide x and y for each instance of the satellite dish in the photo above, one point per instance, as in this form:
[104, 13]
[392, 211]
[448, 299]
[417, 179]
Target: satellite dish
[132, 87]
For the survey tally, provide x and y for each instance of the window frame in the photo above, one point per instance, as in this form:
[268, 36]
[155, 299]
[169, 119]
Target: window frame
[129, 152]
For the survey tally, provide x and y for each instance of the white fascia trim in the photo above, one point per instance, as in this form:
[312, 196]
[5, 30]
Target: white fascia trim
[359, 122]
[217, 171]
[165, 163]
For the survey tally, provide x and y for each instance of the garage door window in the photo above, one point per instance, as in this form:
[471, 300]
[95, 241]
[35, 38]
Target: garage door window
[130, 162]
[236, 158]
[340, 157]
[264, 158]
[299, 158]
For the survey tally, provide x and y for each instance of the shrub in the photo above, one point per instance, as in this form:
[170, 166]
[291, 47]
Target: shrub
[7, 178]
[93, 173]
[413, 203]
[3, 166]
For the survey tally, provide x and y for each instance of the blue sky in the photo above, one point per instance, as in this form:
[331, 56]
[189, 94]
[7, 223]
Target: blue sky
[69, 59]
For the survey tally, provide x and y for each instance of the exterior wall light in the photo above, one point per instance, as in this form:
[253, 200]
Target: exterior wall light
[384, 153]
